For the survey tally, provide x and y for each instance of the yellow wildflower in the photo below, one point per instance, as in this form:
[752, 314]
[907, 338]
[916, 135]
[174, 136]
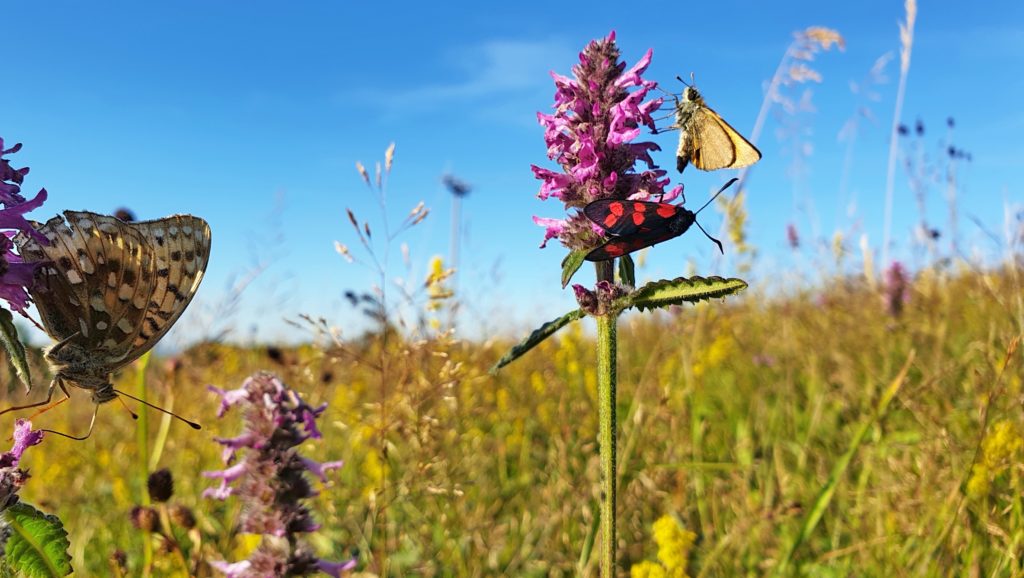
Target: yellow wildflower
[674, 543]
[647, 569]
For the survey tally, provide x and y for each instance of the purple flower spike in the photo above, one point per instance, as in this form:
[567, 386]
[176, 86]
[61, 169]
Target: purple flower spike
[597, 115]
[270, 478]
[12, 478]
[16, 277]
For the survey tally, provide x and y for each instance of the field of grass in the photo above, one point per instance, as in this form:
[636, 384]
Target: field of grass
[734, 419]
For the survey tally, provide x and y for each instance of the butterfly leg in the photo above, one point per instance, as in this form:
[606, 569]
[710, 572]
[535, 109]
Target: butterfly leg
[49, 396]
[61, 345]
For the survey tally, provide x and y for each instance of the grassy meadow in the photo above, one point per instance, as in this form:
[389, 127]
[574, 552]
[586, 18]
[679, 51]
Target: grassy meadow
[866, 421]
[734, 419]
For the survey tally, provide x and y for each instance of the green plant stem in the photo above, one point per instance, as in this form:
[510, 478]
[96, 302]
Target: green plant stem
[606, 346]
[142, 441]
[606, 437]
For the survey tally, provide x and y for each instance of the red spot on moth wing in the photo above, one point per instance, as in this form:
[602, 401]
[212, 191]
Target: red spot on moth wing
[639, 218]
[616, 209]
[614, 250]
[604, 252]
[639, 207]
[610, 220]
[666, 210]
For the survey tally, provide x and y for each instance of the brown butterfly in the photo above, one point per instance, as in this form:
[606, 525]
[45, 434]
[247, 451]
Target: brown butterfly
[706, 140]
[107, 290]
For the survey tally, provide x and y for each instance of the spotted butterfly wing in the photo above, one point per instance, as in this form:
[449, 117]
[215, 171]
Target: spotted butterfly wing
[181, 251]
[635, 225]
[113, 289]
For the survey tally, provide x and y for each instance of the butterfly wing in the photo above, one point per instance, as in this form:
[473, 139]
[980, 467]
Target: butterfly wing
[105, 283]
[713, 144]
[75, 290]
[626, 218]
[180, 250]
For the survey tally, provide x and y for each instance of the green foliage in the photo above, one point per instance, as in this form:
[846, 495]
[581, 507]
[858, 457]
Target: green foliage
[668, 292]
[738, 417]
[536, 337]
[627, 272]
[15, 349]
[572, 263]
[37, 544]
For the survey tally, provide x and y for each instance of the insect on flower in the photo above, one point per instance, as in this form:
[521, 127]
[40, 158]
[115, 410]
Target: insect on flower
[634, 225]
[107, 291]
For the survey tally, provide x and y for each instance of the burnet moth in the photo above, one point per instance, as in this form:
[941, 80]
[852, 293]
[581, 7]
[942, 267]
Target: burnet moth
[634, 225]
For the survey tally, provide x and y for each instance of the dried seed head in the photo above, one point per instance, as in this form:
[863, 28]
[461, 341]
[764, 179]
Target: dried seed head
[182, 516]
[362, 172]
[160, 485]
[145, 519]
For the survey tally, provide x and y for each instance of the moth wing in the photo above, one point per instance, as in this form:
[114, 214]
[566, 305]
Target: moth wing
[716, 145]
[623, 218]
[179, 247]
[619, 246]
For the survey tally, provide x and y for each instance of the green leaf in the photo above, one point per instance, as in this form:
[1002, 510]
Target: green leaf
[681, 290]
[627, 274]
[37, 544]
[534, 339]
[15, 349]
[572, 263]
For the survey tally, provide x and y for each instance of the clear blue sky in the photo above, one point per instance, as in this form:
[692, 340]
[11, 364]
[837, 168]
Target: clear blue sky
[253, 114]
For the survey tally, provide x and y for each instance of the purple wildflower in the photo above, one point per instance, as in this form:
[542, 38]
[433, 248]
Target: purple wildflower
[270, 478]
[589, 135]
[15, 275]
[12, 478]
[897, 288]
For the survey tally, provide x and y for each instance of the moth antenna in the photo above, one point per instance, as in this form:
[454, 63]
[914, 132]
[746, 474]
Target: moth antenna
[720, 191]
[191, 424]
[717, 242]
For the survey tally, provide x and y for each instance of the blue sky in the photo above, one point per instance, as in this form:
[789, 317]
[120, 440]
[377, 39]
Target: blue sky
[253, 114]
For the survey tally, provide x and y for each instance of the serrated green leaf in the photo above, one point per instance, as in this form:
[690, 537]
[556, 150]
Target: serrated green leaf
[680, 290]
[534, 339]
[572, 263]
[37, 545]
[15, 349]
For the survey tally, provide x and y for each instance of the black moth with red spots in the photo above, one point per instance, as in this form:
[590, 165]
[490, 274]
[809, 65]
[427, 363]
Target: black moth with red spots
[634, 225]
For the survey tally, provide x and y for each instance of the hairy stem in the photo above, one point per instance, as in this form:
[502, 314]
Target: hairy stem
[606, 376]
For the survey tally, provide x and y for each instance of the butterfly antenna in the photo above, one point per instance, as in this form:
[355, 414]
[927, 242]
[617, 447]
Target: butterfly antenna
[134, 415]
[191, 424]
[720, 191]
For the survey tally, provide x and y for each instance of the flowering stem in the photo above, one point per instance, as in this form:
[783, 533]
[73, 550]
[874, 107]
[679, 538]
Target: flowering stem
[606, 377]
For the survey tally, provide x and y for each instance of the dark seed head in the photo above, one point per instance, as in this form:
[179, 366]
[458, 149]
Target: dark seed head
[161, 485]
